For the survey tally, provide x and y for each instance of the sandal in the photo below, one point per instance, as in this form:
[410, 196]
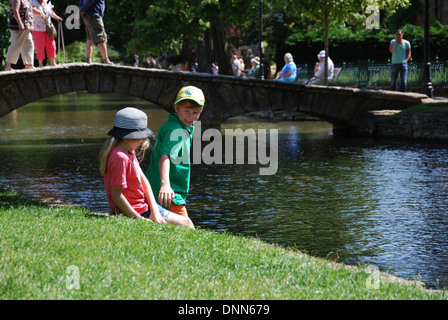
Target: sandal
[29, 66]
[8, 69]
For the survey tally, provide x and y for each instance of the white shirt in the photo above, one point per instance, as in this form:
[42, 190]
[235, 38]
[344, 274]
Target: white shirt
[322, 69]
[39, 22]
[236, 66]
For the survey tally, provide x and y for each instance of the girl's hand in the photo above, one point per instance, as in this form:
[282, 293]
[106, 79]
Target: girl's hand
[156, 217]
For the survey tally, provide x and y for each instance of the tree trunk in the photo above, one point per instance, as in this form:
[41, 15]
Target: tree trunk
[219, 46]
[204, 53]
[326, 49]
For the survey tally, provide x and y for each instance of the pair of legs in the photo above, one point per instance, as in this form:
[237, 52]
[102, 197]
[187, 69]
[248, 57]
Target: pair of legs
[102, 46]
[402, 69]
[96, 35]
[172, 218]
[43, 42]
[21, 44]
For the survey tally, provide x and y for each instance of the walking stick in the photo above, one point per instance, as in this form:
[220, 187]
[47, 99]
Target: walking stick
[60, 37]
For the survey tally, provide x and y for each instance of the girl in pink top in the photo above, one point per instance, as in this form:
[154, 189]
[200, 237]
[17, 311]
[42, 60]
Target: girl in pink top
[127, 188]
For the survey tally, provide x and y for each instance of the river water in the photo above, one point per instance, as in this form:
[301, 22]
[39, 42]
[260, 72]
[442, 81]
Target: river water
[353, 200]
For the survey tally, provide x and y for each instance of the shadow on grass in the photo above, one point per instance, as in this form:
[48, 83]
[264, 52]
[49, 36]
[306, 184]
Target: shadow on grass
[10, 199]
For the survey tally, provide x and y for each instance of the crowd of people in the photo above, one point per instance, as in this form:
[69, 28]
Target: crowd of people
[288, 73]
[30, 23]
[249, 68]
[399, 48]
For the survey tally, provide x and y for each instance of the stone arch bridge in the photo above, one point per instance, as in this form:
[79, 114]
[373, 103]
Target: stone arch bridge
[226, 96]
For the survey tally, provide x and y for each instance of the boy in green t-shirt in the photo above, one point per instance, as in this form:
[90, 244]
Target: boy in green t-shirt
[169, 167]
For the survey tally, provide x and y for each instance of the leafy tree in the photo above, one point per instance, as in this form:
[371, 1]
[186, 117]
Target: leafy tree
[4, 35]
[334, 12]
[160, 26]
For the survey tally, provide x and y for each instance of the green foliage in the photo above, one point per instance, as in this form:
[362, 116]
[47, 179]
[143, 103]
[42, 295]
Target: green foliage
[360, 44]
[396, 19]
[176, 27]
[4, 35]
[324, 16]
[76, 52]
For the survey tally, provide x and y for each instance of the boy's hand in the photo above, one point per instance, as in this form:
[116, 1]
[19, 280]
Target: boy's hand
[166, 195]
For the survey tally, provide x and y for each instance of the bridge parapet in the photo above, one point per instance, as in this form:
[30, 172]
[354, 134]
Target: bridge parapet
[226, 96]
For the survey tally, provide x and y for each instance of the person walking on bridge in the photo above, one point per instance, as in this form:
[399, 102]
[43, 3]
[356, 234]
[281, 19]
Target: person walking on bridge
[401, 53]
[43, 10]
[92, 12]
[20, 25]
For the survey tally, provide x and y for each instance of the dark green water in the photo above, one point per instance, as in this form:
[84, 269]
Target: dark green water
[382, 202]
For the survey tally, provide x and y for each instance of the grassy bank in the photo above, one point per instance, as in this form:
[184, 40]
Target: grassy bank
[69, 253]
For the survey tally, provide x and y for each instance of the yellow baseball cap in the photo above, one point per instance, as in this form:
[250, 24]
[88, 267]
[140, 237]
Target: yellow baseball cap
[191, 93]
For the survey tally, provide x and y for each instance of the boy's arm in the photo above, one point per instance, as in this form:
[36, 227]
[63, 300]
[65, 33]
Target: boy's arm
[166, 193]
[155, 214]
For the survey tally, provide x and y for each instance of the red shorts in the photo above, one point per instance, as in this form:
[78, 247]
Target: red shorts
[179, 209]
[43, 41]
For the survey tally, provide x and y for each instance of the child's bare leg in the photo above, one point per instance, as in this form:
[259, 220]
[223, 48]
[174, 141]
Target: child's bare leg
[180, 220]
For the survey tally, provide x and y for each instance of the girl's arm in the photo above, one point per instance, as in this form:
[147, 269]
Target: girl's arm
[121, 201]
[155, 214]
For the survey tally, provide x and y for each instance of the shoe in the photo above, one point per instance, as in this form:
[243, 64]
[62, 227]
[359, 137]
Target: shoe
[29, 66]
[8, 69]
[107, 61]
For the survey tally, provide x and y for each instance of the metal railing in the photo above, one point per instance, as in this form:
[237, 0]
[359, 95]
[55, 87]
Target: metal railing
[369, 73]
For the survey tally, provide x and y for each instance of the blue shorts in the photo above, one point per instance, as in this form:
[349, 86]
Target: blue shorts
[165, 213]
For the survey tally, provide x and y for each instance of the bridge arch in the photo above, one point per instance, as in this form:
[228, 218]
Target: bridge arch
[226, 96]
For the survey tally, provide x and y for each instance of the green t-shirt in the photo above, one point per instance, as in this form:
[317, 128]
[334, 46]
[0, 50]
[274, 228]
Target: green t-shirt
[174, 139]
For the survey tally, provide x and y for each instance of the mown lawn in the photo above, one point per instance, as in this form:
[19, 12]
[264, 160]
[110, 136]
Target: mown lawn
[69, 253]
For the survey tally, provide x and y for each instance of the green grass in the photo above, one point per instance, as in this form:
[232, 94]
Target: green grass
[44, 250]
[381, 78]
[437, 107]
